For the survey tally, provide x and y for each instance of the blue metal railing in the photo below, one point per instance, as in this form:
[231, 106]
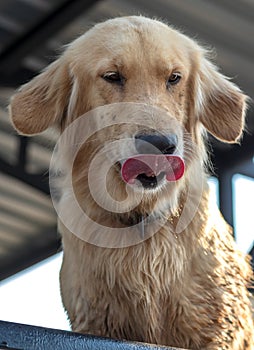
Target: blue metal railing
[14, 336]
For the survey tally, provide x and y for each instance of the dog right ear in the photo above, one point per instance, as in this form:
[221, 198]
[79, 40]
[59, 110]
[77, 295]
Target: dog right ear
[43, 101]
[221, 104]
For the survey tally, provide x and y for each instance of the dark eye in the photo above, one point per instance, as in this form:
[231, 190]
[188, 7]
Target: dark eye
[173, 79]
[114, 78]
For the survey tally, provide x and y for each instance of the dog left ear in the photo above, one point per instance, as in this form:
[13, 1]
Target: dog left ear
[221, 104]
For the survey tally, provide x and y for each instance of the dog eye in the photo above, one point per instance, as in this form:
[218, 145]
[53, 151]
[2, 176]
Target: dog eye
[114, 78]
[173, 79]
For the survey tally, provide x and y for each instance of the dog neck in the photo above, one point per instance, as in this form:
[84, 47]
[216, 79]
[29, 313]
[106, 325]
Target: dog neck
[145, 219]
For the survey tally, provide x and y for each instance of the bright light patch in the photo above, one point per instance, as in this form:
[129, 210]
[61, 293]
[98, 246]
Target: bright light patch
[214, 188]
[33, 296]
[243, 206]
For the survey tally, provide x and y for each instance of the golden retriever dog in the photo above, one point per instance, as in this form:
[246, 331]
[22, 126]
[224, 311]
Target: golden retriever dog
[151, 259]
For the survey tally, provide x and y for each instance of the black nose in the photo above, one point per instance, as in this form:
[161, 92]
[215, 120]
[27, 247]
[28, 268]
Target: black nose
[155, 143]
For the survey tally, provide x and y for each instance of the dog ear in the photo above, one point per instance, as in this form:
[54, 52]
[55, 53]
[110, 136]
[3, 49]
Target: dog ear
[43, 101]
[221, 104]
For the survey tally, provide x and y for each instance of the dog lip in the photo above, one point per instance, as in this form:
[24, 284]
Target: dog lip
[152, 167]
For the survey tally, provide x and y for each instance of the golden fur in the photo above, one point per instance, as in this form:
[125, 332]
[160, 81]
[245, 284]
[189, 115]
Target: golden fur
[187, 289]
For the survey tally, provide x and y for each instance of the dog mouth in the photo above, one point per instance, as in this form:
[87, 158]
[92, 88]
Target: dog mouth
[152, 169]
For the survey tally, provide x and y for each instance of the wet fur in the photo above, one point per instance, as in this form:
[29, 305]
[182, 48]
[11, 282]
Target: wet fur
[187, 289]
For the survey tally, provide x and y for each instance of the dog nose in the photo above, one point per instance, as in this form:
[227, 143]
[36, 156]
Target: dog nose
[155, 143]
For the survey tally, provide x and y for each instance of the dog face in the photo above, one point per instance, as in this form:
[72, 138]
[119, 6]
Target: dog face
[134, 60]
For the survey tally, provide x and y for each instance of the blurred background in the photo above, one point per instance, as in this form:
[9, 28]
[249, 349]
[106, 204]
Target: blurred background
[32, 34]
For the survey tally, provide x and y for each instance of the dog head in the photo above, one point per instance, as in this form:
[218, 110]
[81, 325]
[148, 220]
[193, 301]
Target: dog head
[153, 76]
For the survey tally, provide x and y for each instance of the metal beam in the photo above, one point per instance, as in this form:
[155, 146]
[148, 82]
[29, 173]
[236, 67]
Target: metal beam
[46, 244]
[235, 156]
[226, 195]
[189, 14]
[247, 169]
[245, 11]
[38, 181]
[13, 55]
[19, 336]
[22, 152]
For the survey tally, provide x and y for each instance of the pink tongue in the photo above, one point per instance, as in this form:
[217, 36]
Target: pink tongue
[152, 165]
